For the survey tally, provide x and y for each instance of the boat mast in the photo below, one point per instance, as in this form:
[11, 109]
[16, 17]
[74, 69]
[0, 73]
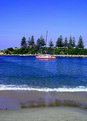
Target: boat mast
[46, 37]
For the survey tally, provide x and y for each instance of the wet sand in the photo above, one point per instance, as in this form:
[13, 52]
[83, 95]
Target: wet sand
[15, 100]
[45, 114]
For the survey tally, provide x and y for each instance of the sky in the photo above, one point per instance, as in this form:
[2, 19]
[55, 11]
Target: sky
[20, 18]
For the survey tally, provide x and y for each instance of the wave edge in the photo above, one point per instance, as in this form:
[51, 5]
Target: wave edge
[45, 89]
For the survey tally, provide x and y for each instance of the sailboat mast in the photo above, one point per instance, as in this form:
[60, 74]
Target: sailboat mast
[46, 37]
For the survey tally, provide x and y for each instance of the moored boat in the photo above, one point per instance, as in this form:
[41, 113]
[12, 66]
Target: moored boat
[45, 57]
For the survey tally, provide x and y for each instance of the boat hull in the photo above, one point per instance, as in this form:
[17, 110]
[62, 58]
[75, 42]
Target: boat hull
[45, 57]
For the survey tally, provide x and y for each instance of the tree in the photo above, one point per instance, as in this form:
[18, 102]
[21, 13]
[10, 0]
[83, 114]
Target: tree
[31, 41]
[23, 43]
[51, 44]
[80, 42]
[59, 42]
[10, 49]
[7, 51]
[65, 43]
[41, 42]
[73, 42]
[70, 45]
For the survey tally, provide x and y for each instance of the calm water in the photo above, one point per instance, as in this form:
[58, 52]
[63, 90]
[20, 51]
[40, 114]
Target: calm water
[30, 72]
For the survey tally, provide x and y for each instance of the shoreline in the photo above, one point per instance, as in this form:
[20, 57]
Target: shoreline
[71, 56]
[15, 100]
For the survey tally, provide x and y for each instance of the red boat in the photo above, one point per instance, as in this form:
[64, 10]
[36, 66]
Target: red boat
[46, 57]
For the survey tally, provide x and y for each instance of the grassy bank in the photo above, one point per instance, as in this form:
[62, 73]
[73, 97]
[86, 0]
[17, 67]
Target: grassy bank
[53, 51]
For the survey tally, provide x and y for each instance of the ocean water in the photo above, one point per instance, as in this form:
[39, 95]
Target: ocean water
[29, 73]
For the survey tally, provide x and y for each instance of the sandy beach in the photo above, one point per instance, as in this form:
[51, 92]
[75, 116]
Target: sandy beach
[45, 114]
[42, 106]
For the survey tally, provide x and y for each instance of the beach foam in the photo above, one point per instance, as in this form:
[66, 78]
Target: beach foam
[25, 87]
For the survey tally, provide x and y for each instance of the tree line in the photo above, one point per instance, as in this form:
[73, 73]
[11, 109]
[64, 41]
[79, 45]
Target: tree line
[62, 46]
[71, 43]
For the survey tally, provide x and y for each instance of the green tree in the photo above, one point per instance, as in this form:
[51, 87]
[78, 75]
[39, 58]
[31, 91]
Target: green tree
[51, 44]
[73, 42]
[23, 43]
[80, 43]
[10, 49]
[41, 42]
[70, 45]
[31, 42]
[7, 51]
[59, 42]
[65, 42]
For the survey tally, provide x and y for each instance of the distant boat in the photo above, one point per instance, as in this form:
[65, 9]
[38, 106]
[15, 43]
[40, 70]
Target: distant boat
[45, 57]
